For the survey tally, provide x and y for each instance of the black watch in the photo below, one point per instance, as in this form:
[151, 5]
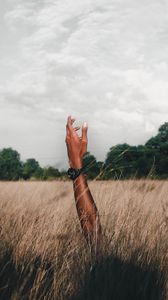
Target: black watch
[74, 173]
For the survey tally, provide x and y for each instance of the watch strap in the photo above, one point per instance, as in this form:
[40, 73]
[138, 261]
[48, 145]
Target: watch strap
[74, 173]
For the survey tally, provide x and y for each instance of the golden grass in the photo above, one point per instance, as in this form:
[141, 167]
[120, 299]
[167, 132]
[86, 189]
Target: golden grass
[43, 254]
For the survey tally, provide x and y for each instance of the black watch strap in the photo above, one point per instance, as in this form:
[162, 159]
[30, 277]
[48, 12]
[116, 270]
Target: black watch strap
[74, 173]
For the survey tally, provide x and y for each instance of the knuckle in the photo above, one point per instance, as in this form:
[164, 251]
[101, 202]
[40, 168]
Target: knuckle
[66, 140]
[84, 141]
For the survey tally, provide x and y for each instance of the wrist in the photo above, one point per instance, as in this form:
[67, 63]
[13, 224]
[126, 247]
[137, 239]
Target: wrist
[76, 165]
[80, 180]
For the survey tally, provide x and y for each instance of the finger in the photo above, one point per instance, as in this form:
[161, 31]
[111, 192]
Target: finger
[83, 147]
[67, 139]
[84, 132]
[77, 128]
[72, 120]
[72, 132]
[69, 125]
[67, 131]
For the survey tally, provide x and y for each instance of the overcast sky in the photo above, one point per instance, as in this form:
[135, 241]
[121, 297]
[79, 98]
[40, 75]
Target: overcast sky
[101, 61]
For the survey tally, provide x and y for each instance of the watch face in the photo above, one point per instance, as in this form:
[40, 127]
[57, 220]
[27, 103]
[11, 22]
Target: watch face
[71, 172]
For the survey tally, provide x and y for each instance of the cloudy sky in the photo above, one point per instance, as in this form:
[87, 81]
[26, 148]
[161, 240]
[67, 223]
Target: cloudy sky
[101, 61]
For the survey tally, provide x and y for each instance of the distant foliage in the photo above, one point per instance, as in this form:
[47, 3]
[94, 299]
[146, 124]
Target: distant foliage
[51, 173]
[10, 164]
[31, 168]
[122, 161]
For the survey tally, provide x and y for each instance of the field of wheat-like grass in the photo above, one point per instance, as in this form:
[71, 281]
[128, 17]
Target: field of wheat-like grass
[43, 254]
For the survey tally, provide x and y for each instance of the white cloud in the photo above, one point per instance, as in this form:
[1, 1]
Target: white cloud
[102, 61]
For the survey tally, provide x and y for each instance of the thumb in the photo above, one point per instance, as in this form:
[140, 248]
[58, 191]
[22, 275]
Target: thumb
[84, 132]
[84, 139]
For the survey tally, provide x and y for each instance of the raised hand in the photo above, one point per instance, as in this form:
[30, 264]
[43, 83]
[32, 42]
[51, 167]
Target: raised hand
[85, 205]
[76, 146]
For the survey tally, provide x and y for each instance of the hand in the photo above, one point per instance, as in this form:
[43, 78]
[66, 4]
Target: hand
[76, 146]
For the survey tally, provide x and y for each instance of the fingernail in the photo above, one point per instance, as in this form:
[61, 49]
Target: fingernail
[85, 124]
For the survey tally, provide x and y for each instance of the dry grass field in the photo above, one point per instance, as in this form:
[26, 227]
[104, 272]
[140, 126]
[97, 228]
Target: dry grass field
[43, 254]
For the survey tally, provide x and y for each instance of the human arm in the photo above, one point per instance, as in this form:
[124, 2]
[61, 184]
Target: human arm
[85, 205]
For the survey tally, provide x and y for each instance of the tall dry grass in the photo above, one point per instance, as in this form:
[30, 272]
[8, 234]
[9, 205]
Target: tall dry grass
[43, 254]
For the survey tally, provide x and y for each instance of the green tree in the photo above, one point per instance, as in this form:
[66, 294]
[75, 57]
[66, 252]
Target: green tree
[93, 167]
[51, 173]
[157, 148]
[163, 132]
[39, 173]
[31, 168]
[118, 161]
[10, 164]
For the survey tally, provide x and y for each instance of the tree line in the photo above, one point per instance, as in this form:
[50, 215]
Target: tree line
[122, 162]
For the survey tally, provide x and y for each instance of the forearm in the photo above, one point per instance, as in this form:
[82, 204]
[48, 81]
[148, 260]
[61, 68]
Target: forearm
[87, 210]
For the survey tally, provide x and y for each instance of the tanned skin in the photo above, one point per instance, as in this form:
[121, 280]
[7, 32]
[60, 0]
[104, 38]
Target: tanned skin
[85, 205]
